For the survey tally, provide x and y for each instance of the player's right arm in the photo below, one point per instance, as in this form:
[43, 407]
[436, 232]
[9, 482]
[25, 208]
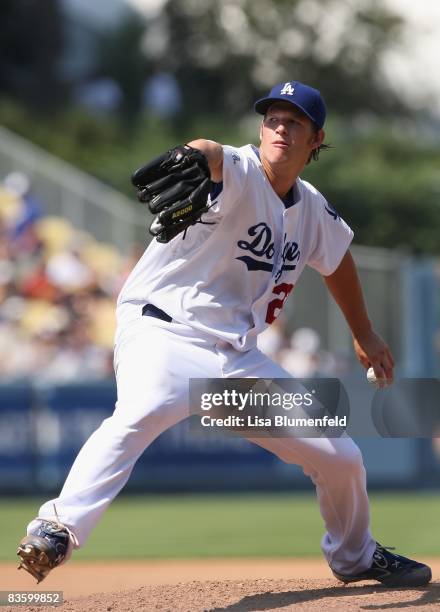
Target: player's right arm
[214, 154]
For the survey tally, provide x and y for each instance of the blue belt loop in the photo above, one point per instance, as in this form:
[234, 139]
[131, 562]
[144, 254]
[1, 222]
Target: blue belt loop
[150, 310]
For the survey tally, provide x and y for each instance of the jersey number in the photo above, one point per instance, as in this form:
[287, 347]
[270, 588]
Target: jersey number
[283, 290]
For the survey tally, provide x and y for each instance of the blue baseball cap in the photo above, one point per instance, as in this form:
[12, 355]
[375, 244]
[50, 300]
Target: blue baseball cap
[306, 98]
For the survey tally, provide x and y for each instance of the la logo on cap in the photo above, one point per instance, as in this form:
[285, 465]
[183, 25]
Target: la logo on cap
[287, 90]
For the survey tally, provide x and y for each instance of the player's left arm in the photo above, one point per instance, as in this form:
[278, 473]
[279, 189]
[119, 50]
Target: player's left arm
[213, 152]
[370, 349]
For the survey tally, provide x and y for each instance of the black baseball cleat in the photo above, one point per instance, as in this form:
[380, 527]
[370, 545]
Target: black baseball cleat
[44, 548]
[391, 570]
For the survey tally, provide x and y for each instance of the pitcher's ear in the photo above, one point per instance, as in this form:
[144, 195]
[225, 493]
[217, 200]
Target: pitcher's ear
[319, 138]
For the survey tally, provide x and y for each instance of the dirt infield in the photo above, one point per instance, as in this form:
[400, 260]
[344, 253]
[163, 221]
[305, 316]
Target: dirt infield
[215, 586]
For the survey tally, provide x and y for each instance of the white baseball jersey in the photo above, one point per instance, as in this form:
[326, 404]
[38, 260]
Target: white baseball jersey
[230, 278]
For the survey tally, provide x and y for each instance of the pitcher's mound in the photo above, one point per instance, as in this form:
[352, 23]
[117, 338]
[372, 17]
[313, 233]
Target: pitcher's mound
[250, 595]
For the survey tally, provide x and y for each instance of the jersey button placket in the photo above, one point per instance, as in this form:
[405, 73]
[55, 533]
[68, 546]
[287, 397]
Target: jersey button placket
[278, 255]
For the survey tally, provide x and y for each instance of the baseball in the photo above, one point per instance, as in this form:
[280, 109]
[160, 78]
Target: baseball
[372, 378]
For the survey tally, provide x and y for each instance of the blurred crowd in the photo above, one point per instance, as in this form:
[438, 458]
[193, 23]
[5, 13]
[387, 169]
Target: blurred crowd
[58, 288]
[57, 293]
[300, 353]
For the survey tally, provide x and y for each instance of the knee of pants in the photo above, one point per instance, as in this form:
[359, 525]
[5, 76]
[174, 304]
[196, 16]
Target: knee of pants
[327, 458]
[350, 459]
[146, 415]
[344, 463]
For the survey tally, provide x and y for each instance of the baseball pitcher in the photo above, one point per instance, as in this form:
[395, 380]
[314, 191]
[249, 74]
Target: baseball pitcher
[234, 228]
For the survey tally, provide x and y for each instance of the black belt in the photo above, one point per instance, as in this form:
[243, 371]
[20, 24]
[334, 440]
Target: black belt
[150, 310]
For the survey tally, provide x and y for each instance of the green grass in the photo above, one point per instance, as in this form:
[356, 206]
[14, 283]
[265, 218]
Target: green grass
[255, 525]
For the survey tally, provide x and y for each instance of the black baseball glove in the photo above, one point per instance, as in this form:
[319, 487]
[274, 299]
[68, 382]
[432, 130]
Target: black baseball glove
[175, 187]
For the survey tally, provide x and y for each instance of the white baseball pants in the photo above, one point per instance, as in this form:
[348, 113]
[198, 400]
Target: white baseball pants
[153, 362]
